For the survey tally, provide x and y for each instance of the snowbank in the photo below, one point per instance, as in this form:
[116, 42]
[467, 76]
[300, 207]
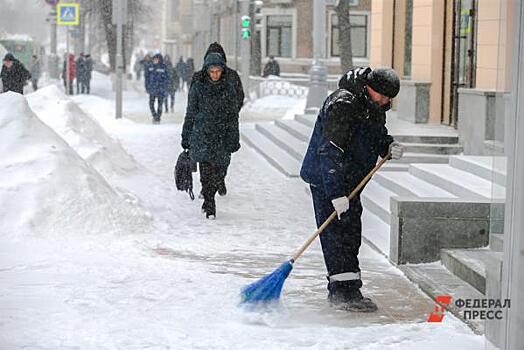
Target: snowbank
[47, 188]
[272, 107]
[83, 133]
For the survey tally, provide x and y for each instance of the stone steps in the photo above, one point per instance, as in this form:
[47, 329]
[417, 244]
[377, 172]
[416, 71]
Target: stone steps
[456, 181]
[470, 264]
[279, 158]
[376, 199]
[295, 147]
[295, 128]
[406, 184]
[488, 168]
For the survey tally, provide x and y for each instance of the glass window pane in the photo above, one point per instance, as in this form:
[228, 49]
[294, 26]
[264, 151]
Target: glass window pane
[358, 20]
[286, 42]
[334, 42]
[272, 41]
[358, 42]
[279, 21]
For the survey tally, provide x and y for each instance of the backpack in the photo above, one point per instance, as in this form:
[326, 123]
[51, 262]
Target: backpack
[184, 173]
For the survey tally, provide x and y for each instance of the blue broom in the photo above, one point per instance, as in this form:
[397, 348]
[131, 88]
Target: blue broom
[267, 289]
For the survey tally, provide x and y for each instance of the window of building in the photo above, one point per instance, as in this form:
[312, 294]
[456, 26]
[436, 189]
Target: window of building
[359, 35]
[279, 36]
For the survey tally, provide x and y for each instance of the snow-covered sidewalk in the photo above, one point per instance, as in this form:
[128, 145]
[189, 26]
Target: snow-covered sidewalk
[171, 279]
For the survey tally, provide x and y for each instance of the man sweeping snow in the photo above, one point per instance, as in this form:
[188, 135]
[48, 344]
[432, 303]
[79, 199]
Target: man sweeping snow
[348, 137]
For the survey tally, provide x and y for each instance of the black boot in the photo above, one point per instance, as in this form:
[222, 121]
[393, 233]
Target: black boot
[209, 208]
[222, 190]
[352, 301]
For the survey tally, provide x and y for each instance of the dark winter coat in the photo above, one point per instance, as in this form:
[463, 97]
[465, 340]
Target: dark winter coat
[181, 68]
[14, 78]
[174, 80]
[230, 74]
[348, 137]
[271, 68]
[89, 67]
[81, 70]
[211, 129]
[157, 79]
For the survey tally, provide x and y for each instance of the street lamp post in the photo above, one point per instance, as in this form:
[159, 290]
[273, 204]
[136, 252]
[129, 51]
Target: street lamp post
[318, 74]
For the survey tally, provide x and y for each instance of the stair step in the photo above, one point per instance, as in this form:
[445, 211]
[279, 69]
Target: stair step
[432, 148]
[426, 139]
[470, 264]
[496, 242]
[409, 158]
[376, 199]
[375, 232]
[306, 119]
[405, 184]
[487, 167]
[289, 143]
[435, 280]
[297, 129]
[273, 154]
[456, 181]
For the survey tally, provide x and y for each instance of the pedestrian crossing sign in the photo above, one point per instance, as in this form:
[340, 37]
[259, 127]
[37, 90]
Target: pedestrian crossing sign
[67, 14]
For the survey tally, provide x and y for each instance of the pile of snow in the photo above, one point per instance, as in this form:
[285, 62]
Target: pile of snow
[81, 131]
[47, 188]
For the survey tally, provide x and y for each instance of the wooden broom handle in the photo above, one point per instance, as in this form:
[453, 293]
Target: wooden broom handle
[334, 214]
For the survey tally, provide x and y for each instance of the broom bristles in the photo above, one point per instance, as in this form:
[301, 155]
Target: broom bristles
[268, 288]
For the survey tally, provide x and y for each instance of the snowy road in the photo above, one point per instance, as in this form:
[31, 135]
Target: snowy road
[177, 285]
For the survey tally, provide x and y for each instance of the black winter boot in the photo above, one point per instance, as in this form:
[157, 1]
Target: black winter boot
[349, 299]
[222, 190]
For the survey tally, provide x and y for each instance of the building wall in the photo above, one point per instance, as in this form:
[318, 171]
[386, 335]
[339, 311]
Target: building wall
[381, 52]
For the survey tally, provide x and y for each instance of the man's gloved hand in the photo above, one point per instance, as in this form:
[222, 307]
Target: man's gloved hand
[396, 150]
[341, 205]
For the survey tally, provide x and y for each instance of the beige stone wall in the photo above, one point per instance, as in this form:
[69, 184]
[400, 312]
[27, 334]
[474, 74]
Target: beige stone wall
[494, 46]
[381, 46]
[427, 49]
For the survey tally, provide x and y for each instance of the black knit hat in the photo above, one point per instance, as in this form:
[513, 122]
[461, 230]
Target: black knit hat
[9, 57]
[214, 59]
[384, 81]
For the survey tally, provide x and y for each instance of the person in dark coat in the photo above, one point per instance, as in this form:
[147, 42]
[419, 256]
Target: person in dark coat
[157, 80]
[181, 69]
[36, 71]
[14, 75]
[190, 70]
[89, 66]
[271, 68]
[172, 85]
[211, 127]
[80, 74]
[234, 79]
[348, 137]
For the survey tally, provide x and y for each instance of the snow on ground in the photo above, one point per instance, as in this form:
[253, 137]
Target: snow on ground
[178, 287]
[46, 188]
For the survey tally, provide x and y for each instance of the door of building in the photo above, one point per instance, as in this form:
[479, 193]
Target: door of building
[464, 51]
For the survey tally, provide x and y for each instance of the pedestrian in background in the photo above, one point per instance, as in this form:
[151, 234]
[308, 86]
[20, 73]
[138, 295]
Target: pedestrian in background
[14, 75]
[157, 80]
[272, 67]
[89, 66]
[181, 69]
[172, 85]
[36, 71]
[69, 78]
[80, 74]
[211, 128]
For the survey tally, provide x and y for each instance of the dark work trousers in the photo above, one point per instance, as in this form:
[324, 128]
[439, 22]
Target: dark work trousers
[87, 84]
[340, 241]
[34, 82]
[210, 175]
[158, 112]
[166, 101]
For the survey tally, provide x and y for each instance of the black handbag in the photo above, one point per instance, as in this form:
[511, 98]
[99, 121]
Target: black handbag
[184, 173]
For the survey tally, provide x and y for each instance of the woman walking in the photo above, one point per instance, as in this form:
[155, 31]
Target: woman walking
[210, 128]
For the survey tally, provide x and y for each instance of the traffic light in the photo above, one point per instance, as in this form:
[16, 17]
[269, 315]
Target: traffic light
[246, 27]
[258, 13]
